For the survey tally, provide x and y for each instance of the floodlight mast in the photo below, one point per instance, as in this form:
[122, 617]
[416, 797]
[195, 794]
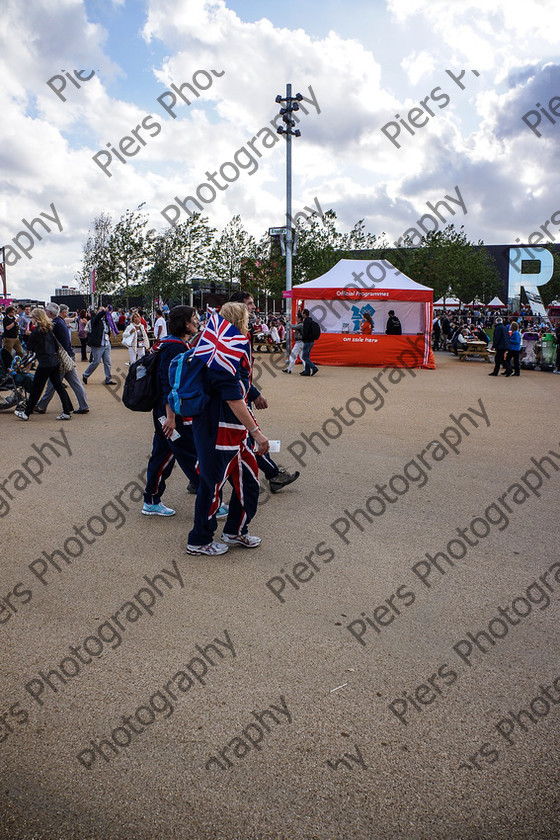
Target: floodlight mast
[291, 104]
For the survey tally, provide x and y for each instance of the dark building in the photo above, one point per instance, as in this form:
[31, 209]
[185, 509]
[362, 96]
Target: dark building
[518, 265]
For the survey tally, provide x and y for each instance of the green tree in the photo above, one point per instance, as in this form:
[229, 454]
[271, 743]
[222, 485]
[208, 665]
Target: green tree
[229, 253]
[163, 275]
[446, 261]
[129, 249]
[358, 239]
[318, 247]
[264, 273]
[191, 243]
[177, 255]
[96, 253]
[321, 245]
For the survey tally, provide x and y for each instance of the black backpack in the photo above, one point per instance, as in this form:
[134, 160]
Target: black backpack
[315, 330]
[140, 392]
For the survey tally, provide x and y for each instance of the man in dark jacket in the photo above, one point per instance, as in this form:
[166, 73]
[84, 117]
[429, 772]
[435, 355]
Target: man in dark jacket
[100, 346]
[501, 345]
[310, 369]
[393, 324]
[62, 334]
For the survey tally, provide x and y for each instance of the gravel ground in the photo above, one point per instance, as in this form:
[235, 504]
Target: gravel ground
[403, 726]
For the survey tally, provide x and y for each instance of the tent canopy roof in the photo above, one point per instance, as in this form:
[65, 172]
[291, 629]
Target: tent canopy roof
[381, 274]
[448, 301]
[496, 302]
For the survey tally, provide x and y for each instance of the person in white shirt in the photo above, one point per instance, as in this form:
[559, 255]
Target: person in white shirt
[274, 333]
[135, 338]
[297, 348]
[160, 326]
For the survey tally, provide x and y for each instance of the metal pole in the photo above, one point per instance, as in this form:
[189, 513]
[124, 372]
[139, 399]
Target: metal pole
[4, 272]
[289, 243]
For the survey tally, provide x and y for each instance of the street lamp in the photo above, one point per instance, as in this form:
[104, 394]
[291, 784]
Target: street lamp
[291, 104]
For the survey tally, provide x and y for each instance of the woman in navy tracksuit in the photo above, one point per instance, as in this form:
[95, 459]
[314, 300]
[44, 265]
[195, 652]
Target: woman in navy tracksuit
[183, 324]
[225, 454]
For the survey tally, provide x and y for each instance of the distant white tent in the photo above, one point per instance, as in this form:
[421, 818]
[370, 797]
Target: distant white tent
[474, 304]
[448, 303]
[496, 303]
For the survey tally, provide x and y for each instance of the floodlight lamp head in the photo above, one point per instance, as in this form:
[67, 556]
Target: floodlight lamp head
[278, 98]
[283, 110]
[297, 133]
[298, 96]
[280, 129]
[295, 106]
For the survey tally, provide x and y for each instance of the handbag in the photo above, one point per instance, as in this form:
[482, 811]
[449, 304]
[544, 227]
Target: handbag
[128, 339]
[66, 361]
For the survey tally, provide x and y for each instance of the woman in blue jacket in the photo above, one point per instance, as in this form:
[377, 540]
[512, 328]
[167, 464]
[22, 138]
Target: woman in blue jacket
[515, 342]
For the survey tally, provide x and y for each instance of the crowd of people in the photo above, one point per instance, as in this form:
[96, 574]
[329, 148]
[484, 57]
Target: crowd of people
[224, 444]
[452, 332]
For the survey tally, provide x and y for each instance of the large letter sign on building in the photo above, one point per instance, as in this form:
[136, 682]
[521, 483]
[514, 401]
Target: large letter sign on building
[530, 282]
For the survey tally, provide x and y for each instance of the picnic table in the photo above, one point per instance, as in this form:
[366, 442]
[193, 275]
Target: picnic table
[475, 347]
[263, 343]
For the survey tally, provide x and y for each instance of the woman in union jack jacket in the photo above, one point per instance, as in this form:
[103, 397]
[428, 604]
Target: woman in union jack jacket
[221, 436]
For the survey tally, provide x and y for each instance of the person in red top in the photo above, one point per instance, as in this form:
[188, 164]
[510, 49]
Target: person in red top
[367, 324]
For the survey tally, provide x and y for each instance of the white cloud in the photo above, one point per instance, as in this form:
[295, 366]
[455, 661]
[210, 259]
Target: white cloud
[418, 65]
[478, 142]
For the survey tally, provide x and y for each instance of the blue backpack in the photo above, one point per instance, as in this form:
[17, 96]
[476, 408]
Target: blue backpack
[188, 396]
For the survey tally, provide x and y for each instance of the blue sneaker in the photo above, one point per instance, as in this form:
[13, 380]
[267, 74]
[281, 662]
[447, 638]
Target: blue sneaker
[222, 512]
[157, 510]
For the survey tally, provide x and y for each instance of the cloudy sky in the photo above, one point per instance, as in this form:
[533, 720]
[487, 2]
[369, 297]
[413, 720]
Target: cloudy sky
[461, 74]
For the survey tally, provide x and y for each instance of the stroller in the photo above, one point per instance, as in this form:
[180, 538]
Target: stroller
[15, 382]
[529, 353]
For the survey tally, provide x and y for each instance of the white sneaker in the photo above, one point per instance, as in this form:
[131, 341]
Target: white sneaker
[244, 540]
[21, 414]
[64, 416]
[212, 549]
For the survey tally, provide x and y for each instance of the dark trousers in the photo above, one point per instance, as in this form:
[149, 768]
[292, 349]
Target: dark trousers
[265, 462]
[267, 466]
[83, 342]
[501, 360]
[306, 357]
[42, 374]
[513, 355]
[162, 460]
